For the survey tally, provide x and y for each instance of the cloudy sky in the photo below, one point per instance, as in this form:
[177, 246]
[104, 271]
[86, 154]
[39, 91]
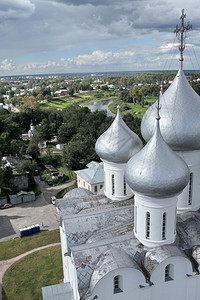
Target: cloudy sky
[64, 36]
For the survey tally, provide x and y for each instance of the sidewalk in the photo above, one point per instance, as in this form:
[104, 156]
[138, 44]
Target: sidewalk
[5, 264]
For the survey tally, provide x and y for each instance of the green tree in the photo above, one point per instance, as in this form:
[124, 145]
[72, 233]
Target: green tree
[66, 132]
[71, 92]
[14, 147]
[1, 172]
[26, 166]
[79, 152]
[29, 103]
[5, 143]
[11, 94]
[7, 175]
[33, 150]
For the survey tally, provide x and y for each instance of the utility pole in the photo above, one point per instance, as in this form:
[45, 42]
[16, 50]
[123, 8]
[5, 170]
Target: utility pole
[181, 35]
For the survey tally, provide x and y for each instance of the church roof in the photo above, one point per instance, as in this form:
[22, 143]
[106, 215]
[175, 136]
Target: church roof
[180, 122]
[156, 170]
[118, 143]
[93, 174]
[112, 259]
[157, 255]
[90, 235]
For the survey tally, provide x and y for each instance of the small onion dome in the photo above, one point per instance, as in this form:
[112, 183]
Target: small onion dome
[180, 121]
[156, 170]
[118, 143]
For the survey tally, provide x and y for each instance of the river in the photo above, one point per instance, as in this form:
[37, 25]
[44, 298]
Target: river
[100, 105]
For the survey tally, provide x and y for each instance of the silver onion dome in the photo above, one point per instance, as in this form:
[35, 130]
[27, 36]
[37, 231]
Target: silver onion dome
[180, 121]
[118, 143]
[156, 170]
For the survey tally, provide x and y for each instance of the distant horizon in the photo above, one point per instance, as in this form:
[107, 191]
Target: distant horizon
[96, 73]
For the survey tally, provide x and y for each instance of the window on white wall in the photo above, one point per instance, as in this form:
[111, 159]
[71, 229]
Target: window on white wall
[95, 188]
[164, 226]
[124, 186]
[113, 184]
[169, 272]
[190, 189]
[147, 225]
[135, 218]
[117, 284]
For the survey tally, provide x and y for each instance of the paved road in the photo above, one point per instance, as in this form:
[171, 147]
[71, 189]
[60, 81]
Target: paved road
[27, 214]
[5, 264]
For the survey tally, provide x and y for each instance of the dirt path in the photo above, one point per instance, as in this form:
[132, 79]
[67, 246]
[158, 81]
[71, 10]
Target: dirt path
[5, 264]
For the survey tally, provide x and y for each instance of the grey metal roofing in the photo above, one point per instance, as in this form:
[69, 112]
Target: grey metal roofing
[180, 121]
[88, 256]
[110, 260]
[188, 228]
[196, 256]
[79, 200]
[118, 143]
[80, 228]
[156, 170]
[157, 255]
[62, 291]
[91, 235]
[93, 174]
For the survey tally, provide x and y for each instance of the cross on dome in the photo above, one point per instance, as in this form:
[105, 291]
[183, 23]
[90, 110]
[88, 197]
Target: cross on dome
[181, 35]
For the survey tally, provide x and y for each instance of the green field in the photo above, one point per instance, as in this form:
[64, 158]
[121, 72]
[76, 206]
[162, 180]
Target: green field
[132, 108]
[65, 101]
[71, 174]
[17, 246]
[25, 278]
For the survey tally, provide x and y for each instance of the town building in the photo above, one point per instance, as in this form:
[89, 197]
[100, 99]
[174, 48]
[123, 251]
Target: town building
[91, 178]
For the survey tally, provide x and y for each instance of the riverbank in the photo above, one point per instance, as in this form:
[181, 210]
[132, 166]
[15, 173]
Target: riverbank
[85, 98]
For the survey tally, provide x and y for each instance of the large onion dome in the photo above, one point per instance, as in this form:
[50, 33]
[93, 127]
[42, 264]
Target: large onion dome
[118, 143]
[180, 116]
[156, 170]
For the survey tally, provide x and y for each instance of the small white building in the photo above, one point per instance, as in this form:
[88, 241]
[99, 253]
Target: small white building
[91, 178]
[60, 146]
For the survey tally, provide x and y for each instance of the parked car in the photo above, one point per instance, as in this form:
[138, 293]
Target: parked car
[53, 200]
[49, 182]
[6, 205]
[42, 178]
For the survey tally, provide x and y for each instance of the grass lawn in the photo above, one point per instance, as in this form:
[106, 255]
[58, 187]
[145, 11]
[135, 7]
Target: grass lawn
[25, 278]
[17, 246]
[71, 174]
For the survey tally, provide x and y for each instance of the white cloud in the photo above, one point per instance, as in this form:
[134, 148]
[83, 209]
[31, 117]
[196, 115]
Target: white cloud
[90, 33]
[7, 65]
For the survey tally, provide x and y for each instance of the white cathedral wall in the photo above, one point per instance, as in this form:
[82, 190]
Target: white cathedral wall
[156, 207]
[69, 270]
[182, 287]
[134, 286]
[192, 159]
[118, 171]
[131, 280]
